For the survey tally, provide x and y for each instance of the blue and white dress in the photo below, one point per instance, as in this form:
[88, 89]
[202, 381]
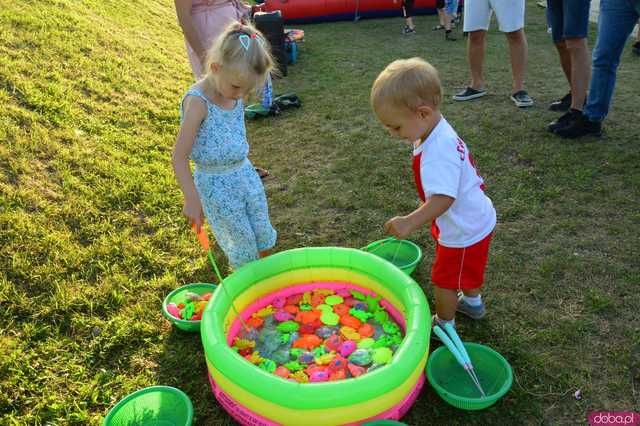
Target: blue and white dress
[230, 190]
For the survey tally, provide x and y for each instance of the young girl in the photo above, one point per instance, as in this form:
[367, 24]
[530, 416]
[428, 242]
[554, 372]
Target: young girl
[212, 133]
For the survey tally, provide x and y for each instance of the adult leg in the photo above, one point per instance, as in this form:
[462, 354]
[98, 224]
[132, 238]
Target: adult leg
[476, 46]
[565, 60]
[518, 53]
[450, 10]
[477, 16]
[580, 71]
[510, 16]
[555, 21]
[615, 23]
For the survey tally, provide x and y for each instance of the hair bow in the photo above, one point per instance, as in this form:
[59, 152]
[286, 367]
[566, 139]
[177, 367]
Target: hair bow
[245, 40]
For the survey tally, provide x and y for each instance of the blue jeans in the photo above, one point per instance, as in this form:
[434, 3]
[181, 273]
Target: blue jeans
[615, 23]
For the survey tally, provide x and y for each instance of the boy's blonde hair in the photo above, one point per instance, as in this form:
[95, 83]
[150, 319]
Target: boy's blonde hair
[408, 84]
[243, 51]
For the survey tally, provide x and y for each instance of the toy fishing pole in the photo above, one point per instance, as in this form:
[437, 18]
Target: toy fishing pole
[204, 243]
[463, 351]
[458, 355]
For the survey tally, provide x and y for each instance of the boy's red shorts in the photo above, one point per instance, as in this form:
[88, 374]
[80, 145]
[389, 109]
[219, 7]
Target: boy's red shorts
[461, 268]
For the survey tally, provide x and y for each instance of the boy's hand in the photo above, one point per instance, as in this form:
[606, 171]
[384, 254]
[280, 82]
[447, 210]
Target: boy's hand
[399, 227]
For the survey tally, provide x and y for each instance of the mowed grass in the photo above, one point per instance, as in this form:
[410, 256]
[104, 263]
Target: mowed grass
[92, 238]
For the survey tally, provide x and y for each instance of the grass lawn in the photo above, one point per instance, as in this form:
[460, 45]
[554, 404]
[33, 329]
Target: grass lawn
[91, 236]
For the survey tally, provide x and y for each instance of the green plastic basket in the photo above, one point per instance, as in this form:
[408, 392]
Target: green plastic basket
[403, 253]
[454, 384]
[177, 296]
[152, 406]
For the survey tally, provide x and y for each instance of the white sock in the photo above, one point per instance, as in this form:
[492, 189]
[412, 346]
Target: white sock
[473, 300]
[442, 322]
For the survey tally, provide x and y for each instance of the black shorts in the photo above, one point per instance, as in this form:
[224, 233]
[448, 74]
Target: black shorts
[440, 4]
[407, 8]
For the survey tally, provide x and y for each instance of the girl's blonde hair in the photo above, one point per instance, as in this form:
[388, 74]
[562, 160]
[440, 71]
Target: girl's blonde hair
[408, 84]
[243, 51]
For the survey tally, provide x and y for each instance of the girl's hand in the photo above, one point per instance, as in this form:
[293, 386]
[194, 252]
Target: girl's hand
[399, 227]
[192, 210]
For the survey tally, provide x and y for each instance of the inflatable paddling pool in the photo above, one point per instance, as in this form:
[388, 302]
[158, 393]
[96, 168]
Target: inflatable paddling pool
[307, 11]
[255, 397]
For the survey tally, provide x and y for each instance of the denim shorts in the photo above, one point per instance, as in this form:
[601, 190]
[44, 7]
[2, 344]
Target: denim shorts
[451, 7]
[568, 18]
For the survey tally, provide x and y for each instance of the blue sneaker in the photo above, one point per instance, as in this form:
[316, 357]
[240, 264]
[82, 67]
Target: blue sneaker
[475, 312]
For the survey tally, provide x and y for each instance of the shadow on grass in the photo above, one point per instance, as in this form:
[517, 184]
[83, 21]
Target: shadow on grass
[182, 365]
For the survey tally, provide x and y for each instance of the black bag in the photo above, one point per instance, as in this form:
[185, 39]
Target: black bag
[271, 25]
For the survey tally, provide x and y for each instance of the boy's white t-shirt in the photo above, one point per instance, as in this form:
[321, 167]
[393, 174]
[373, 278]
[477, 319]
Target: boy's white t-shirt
[447, 168]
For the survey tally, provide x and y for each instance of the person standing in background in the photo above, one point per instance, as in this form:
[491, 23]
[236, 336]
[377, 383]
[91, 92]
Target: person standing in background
[569, 22]
[202, 21]
[510, 16]
[615, 23]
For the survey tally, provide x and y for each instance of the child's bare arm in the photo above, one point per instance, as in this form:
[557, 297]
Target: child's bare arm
[194, 112]
[402, 226]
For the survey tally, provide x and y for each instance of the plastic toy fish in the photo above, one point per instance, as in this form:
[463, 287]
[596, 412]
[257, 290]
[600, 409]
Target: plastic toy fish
[325, 359]
[300, 377]
[254, 358]
[366, 330]
[194, 297]
[265, 312]
[307, 341]
[282, 372]
[349, 321]
[361, 315]
[348, 333]
[244, 344]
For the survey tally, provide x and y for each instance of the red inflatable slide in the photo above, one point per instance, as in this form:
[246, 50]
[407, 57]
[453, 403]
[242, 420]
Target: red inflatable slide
[306, 11]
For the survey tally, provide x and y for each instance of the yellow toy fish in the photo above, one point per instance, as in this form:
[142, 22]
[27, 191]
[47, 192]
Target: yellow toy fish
[349, 333]
[265, 312]
[255, 358]
[325, 359]
[244, 343]
[300, 377]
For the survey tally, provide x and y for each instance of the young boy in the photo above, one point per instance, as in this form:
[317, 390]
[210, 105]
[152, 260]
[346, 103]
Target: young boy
[406, 98]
